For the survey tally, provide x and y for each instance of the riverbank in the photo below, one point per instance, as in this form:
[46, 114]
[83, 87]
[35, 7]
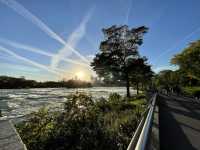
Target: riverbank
[22, 83]
[85, 123]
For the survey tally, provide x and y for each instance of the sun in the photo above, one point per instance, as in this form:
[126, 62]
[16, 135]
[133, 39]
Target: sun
[80, 75]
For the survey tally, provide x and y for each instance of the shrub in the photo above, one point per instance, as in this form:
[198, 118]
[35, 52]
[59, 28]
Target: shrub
[192, 91]
[114, 98]
[84, 124]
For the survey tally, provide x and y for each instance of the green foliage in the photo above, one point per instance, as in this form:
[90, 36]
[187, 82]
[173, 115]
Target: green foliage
[78, 102]
[15, 83]
[174, 81]
[115, 98]
[84, 124]
[139, 102]
[38, 129]
[192, 91]
[165, 79]
[169, 80]
[141, 75]
[187, 75]
[118, 58]
[139, 96]
[189, 60]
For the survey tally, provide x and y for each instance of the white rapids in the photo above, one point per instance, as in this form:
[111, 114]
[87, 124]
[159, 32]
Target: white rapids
[16, 103]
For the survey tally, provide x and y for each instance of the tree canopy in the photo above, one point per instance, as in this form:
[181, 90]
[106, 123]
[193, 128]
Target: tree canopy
[17, 83]
[118, 57]
[186, 76]
[189, 60]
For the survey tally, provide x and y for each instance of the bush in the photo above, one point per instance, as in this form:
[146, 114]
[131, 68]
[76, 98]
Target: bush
[139, 96]
[84, 124]
[192, 91]
[114, 98]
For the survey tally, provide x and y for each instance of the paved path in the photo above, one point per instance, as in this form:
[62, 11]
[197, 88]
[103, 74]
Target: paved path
[9, 139]
[179, 123]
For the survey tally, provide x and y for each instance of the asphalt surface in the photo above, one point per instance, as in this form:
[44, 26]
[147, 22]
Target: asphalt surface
[179, 123]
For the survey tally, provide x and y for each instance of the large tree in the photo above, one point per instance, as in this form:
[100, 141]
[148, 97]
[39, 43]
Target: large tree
[118, 56]
[189, 60]
[167, 79]
[142, 74]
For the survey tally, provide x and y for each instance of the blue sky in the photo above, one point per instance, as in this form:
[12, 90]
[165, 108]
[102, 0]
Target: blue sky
[69, 33]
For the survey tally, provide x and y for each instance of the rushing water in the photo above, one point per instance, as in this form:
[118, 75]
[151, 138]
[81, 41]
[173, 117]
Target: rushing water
[19, 102]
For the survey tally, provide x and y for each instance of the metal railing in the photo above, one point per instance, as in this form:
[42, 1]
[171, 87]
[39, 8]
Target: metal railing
[140, 138]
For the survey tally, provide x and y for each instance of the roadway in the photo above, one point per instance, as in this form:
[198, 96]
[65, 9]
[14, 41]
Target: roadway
[179, 123]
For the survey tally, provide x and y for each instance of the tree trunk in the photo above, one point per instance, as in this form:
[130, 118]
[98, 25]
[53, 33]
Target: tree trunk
[137, 87]
[127, 85]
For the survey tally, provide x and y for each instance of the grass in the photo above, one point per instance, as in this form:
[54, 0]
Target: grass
[138, 102]
[192, 91]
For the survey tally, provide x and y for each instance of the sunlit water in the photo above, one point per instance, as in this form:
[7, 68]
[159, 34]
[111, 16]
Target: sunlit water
[20, 102]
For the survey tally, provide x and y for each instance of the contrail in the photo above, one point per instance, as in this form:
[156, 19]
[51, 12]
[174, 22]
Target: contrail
[27, 60]
[90, 41]
[21, 10]
[128, 12]
[56, 71]
[39, 51]
[176, 44]
[73, 39]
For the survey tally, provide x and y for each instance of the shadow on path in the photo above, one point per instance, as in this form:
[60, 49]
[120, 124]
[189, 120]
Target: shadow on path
[179, 125]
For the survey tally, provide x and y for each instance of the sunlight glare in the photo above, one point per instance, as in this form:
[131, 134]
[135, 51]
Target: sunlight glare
[80, 75]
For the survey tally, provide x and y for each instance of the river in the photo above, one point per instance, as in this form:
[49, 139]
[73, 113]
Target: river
[16, 103]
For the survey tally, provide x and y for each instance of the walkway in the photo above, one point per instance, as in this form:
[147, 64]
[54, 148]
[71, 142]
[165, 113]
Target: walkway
[179, 123]
[9, 138]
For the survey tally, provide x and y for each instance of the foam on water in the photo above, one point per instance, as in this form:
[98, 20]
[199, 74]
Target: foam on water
[16, 103]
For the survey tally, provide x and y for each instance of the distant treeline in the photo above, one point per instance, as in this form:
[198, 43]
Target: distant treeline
[17, 83]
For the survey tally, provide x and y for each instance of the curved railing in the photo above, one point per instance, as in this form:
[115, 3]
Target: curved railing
[141, 136]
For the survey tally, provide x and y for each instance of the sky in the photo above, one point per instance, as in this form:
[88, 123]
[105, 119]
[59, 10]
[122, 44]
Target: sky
[52, 40]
